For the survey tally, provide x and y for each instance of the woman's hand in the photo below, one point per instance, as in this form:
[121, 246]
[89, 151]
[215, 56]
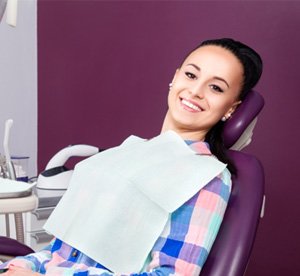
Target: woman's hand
[19, 271]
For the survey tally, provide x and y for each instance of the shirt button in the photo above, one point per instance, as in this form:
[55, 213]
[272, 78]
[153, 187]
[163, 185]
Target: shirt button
[75, 253]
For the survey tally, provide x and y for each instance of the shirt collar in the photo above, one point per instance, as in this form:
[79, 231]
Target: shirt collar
[199, 147]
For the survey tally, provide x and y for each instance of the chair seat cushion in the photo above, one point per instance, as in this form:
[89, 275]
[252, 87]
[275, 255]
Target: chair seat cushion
[12, 247]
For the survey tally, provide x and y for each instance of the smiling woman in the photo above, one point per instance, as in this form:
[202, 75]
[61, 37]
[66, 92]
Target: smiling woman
[154, 207]
[207, 88]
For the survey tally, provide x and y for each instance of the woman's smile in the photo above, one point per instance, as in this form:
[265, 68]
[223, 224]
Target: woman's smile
[190, 105]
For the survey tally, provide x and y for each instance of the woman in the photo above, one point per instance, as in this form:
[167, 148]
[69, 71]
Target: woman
[205, 91]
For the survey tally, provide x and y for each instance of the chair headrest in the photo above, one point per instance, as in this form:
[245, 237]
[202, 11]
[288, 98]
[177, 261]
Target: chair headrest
[244, 117]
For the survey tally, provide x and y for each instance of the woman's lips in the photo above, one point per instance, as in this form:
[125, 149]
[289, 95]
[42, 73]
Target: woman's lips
[190, 106]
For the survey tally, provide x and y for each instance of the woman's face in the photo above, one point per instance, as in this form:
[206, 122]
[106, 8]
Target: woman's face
[204, 89]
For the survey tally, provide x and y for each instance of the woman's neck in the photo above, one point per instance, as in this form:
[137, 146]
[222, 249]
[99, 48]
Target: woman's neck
[185, 133]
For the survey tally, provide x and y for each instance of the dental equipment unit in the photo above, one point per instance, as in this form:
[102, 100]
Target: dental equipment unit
[56, 175]
[10, 167]
[11, 187]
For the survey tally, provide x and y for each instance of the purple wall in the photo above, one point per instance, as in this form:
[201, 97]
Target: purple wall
[103, 73]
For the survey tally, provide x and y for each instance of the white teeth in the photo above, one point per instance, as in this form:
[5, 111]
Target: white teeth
[190, 105]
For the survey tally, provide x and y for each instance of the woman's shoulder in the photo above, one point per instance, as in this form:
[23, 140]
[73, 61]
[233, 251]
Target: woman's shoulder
[225, 176]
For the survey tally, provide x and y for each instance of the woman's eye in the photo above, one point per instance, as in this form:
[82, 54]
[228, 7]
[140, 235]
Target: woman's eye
[216, 88]
[190, 75]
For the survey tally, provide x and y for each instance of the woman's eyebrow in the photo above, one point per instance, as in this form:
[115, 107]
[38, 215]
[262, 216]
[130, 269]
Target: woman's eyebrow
[195, 66]
[215, 77]
[220, 79]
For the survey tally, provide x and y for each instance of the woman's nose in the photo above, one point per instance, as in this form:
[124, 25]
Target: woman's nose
[197, 90]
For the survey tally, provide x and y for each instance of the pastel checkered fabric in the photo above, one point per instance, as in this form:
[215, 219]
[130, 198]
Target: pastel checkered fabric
[181, 249]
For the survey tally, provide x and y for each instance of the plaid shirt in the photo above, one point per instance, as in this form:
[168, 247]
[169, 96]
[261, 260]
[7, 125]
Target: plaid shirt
[181, 249]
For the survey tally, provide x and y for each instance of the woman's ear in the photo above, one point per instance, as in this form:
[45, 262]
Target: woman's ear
[232, 109]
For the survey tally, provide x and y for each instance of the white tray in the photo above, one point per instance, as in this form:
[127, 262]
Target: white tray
[12, 189]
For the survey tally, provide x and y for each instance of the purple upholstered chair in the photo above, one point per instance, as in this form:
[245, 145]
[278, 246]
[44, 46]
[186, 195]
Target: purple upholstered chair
[10, 248]
[232, 248]
[231, 251]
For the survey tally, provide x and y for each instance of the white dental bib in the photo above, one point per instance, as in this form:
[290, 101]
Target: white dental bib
[119, 201]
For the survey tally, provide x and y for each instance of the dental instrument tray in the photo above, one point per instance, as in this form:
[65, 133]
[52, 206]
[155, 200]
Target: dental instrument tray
[12, 189]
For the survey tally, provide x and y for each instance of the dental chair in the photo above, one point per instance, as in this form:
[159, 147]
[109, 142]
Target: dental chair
[231, 250]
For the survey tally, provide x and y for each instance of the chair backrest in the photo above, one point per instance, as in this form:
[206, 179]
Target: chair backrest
[232, 248]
